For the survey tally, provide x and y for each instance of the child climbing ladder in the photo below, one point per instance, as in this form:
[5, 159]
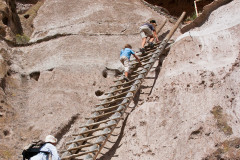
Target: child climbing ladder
[125, 55]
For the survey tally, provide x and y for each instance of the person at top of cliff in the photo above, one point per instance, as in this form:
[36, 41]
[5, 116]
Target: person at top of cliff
[48, 147]
[148, 30]
[125, 55]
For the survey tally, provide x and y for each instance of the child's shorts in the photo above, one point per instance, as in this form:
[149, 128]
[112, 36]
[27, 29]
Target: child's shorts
[125, 61]
[145, 31]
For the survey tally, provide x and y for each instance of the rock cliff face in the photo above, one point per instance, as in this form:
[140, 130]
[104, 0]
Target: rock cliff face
[9, 21]
[193, 111]
[176, 7]
[187, 108]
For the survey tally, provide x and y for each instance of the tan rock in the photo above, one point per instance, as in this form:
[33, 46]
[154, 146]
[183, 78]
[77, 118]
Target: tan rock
[53, 83]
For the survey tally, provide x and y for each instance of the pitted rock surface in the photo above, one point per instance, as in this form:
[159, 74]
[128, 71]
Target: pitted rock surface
[187, 108]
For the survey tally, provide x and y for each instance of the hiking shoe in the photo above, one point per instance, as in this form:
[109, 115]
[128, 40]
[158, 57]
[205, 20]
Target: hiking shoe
[142, 50]
[151, 45]
[126, 79]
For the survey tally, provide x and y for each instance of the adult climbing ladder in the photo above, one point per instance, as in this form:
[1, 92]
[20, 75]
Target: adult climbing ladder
[90, 140]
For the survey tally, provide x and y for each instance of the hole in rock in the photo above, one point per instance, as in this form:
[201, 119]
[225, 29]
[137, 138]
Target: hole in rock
[6, 132]
[2, 32]
[99, 93]
[5, 20]
[104, 73]
[3, 84]
[35, 75]
[197, 131]
[51, 69]
[26, 16]
[9, 73]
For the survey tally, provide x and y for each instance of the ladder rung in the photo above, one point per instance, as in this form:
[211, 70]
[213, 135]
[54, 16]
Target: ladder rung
[93, 130]
[118, 104]
[87, 138]
[115, 100]
[105, 109]
[125, 82]
[131, 75]
[144, 58]
[118, 90]
[106, 114]
[99, 122]
[114, 96]
[143, 64]
[137, 71]
[118, 80]
[79, 154]
[83, 146]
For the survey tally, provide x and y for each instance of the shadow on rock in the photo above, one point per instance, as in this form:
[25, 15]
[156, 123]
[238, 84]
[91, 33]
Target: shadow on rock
[112, 151]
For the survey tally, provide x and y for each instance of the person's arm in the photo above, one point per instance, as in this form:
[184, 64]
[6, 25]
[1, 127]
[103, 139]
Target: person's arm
[154, 32]
[137, 58]
[121, 52]
[155, 35]
[54, 152]
[133, 53]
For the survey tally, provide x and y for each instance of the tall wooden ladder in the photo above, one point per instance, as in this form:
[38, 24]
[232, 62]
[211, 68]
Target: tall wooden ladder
[88, 143]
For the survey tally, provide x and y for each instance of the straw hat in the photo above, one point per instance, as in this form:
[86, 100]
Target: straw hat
[50, 139]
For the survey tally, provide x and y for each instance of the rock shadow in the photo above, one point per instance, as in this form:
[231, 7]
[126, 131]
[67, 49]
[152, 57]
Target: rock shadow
[158, 69]
[113, 149]
[162, 36]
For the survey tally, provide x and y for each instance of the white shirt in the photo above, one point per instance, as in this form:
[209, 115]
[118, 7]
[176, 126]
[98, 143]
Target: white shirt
[48, 147]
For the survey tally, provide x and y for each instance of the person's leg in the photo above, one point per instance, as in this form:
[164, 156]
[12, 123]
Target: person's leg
[151, 38]
[150, 42]
[126, 74]
[126, 63]
[124, 60]
[143, 35]
[126, 66]
[143, 42]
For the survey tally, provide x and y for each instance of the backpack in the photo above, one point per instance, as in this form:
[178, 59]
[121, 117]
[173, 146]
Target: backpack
[33, 149]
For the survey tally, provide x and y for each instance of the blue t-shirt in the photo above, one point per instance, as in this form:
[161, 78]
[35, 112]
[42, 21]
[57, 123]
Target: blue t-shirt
[127, 52]
[150, 26]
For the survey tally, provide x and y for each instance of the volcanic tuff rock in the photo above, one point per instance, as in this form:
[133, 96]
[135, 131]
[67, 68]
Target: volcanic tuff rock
[54, 81]
[176, 7]
[193, 111]
[187, 108]
[9, 20]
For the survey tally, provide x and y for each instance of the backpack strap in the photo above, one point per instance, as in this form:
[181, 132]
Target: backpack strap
[45, 152]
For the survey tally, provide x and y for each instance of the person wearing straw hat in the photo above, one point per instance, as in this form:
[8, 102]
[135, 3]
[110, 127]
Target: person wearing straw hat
[148, 30]
[48, 150]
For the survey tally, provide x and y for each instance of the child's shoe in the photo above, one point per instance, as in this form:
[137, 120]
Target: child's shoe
[151, 45]
[142, 50]
[126, 79]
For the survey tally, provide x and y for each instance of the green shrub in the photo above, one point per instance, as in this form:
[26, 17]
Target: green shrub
[191, 17]
[22, 39]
